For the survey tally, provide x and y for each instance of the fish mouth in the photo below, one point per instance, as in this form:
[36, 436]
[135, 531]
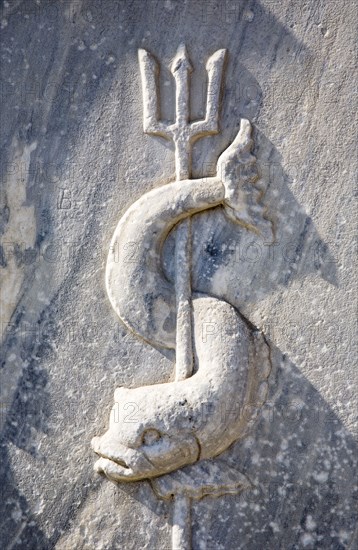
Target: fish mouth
[120, 463]
[114, 470]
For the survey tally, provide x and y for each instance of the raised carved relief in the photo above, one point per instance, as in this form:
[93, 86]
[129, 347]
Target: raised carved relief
[180, 423]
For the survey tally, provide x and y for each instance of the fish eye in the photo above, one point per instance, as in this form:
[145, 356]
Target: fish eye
[151, 436]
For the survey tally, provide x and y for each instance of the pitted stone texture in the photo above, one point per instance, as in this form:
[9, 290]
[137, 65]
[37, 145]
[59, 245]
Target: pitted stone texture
[71, 85]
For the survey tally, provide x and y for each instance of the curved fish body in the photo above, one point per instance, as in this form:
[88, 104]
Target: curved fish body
[159, 428]
[136, 285]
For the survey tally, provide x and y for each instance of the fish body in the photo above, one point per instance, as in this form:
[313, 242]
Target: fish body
[178, 423]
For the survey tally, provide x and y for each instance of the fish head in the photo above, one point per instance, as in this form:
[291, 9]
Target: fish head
[134, 448]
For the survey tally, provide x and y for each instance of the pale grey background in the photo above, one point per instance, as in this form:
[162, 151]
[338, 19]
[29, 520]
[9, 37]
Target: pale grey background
[73, 158]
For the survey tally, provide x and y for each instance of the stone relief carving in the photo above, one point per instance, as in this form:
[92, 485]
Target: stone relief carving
[180, 426]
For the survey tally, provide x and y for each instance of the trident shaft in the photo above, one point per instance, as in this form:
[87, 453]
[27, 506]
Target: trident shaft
[183, 133]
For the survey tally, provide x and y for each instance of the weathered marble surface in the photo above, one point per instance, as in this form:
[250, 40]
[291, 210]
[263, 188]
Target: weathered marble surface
[73, 158]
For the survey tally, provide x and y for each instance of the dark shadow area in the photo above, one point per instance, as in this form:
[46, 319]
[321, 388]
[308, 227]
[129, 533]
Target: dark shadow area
[28, 415]
[246, 267]
[303, 464]
[18, 528]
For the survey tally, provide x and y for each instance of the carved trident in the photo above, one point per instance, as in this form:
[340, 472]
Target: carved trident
[183, 132]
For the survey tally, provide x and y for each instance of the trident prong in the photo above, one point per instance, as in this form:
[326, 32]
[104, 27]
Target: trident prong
[182, 131]
[214, 67]
[181, 69]
[149, 70]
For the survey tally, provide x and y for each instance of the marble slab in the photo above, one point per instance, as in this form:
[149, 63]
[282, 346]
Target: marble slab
[74, 157]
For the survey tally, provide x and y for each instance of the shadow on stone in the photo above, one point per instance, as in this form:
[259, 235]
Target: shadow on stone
[303, 464]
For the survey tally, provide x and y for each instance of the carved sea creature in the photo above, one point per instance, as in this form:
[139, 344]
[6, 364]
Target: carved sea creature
[220, 380]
